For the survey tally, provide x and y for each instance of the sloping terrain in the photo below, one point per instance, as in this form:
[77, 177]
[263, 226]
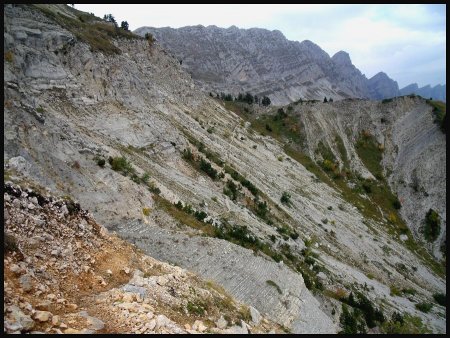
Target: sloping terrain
[64, 273]
[123, 130]
[265, 63]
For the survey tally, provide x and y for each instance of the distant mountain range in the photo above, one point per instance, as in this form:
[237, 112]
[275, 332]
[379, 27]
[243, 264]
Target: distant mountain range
[436, 92]
[264, 62]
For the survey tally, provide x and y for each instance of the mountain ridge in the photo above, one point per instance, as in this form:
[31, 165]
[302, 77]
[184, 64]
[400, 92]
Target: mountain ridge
[310, 72]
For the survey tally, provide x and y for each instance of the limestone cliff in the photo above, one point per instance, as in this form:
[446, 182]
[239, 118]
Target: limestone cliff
[114, 122]
[264, 62]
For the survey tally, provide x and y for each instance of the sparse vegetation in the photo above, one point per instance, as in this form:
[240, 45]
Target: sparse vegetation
[286, 198]
[101, 162]
[369, 152]
[404, 324]
[440, 298]
[90, 29]
[9, 56]
[432, 226]
[424, 307]
[440, 114]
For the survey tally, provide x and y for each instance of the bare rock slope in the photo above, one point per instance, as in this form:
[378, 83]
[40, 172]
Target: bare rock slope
[74, 108]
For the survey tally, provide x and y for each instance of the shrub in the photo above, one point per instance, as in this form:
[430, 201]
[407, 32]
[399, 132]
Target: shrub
[179, 205]
[351, 321]
[261, 209]
[361, 302]
[146, 211]
[153, 188]
[367, 187]
[101, 162]
[145, 177]
[208, 169]
[396, 204]
[268, 128]
[188, 209]
[195, 308]
[120, 164]
[231, 190]
[404, 324]
[285, 198]
[200, 215]
[210, 130]
[187, 154]
[424, 307]
[440, 298]
[432, 226]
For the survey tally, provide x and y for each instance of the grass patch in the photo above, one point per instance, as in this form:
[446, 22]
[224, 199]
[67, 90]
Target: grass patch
[89, 29]
[184, 215]
[440, 114]
[404, 324]
[424, 307]
[9, 56]
[370, 153]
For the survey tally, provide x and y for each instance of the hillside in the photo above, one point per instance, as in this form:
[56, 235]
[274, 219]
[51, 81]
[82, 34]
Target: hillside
[245, 199]
[264, 62]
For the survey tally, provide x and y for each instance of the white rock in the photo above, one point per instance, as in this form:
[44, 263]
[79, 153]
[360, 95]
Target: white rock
[221, 323]
[256, 316]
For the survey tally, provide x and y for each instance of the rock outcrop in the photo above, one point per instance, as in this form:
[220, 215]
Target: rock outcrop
[264, 62]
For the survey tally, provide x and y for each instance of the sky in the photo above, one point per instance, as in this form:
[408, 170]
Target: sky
[407, 42]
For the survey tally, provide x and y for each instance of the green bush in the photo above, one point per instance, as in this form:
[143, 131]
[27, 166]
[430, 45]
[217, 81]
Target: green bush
[424, 307]
[404, 324]
[396, 204]
[371, 314]
[351, 321]
[262, 209]
[200, 215]
[195, 308]
[208, 169]
[101, 162]
[120, 164]
[187, 154]
[285, 198]
[231, 190]
[440, 298]
[432, 226]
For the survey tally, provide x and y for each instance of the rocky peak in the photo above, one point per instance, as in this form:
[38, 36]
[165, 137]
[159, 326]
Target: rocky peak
[381, 86]
[342, 58]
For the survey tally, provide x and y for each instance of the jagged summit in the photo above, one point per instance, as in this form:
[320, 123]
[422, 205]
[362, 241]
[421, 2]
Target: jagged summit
[342, 57]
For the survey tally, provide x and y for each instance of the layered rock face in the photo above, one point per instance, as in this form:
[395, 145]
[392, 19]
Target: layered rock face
[264, 62]
[437, 92]
[68, 107]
